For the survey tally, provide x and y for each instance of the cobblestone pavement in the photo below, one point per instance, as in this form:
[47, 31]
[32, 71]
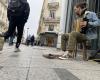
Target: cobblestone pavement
[29, 64]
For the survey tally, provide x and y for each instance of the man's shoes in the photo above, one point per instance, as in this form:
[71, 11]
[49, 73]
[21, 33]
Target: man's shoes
[17, 50]
[65, 56]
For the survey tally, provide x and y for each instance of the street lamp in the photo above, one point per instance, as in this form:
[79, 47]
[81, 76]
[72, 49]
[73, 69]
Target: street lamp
[27, 31]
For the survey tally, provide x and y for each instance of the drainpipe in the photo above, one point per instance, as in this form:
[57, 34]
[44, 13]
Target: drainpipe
[62, 21]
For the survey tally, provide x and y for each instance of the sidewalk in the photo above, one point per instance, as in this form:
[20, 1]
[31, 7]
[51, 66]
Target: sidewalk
[30, 65]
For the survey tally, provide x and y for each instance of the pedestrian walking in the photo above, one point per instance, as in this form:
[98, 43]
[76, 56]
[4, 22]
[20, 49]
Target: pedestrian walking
[28, 40]
[11, 39]
[32, 40]
[17, 13]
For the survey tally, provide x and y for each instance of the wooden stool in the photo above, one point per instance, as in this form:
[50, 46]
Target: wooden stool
[84, 51]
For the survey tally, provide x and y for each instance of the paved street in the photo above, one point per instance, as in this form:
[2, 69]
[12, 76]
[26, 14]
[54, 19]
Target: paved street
[30, 65]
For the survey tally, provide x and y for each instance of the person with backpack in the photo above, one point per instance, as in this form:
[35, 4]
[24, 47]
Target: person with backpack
[17, 13]
[32, 40]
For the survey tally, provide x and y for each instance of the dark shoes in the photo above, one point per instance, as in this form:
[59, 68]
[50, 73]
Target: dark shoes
[17, 47]
[17, 50]
[65, 56]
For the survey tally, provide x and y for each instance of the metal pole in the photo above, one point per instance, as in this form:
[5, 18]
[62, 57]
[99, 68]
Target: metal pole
[27, 31]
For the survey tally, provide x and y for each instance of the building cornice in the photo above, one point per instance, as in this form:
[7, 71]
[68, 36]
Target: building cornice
[53, 5]
[3, 3]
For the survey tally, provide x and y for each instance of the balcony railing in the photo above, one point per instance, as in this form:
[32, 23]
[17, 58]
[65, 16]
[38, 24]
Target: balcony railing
[51, 20]
[53, 5]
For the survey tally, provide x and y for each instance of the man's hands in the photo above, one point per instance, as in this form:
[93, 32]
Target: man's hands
[83, 24]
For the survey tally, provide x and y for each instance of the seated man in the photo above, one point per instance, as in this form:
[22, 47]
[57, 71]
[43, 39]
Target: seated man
[85, 29]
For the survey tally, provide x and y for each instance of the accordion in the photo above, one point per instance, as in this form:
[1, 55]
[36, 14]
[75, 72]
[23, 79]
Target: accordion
[84, 29]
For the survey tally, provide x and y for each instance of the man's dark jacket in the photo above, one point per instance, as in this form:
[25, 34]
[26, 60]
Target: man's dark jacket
[23, 13]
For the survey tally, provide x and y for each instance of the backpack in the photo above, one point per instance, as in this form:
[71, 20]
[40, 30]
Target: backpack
[95, 55]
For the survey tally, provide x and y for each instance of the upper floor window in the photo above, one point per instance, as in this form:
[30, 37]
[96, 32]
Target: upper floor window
[52, 13]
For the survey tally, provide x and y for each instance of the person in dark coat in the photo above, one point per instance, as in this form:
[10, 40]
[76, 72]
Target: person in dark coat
[28, 40]
[17, 17]
[32, 40]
